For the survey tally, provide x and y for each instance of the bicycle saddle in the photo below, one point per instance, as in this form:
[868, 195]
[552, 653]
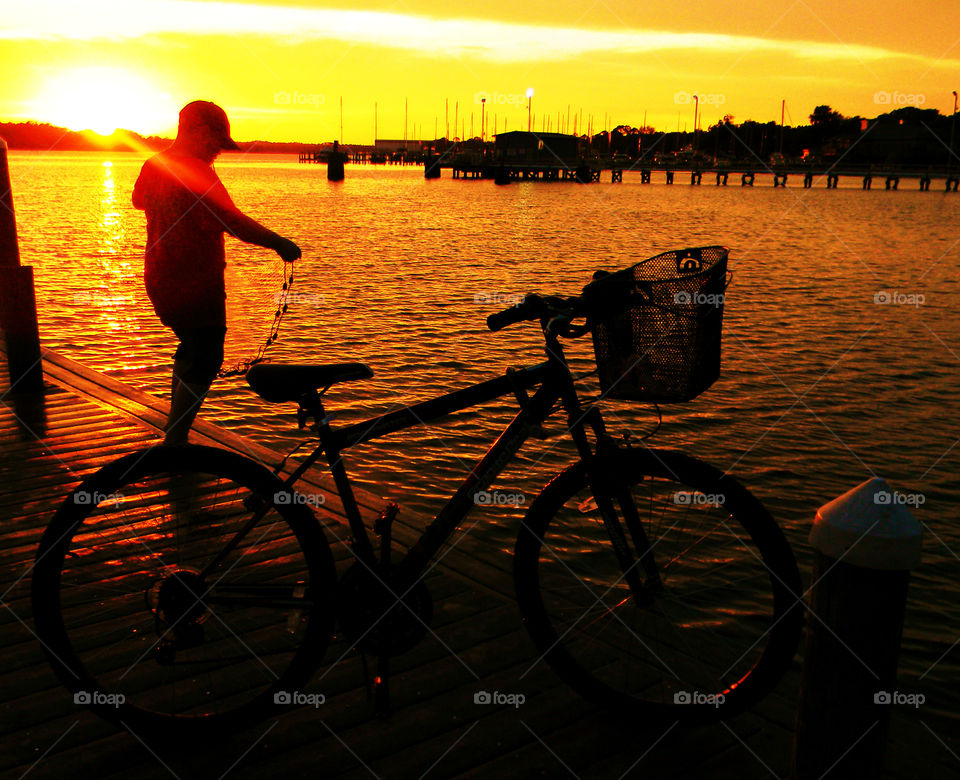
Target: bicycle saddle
[277, 383]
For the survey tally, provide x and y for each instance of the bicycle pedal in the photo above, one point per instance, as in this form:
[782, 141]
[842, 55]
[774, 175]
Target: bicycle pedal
[381, 697]
[384, 520]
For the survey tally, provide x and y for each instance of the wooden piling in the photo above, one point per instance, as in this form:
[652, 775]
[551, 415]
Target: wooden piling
[866, 542]
[18, 303]
[431, 168]
[335, 164]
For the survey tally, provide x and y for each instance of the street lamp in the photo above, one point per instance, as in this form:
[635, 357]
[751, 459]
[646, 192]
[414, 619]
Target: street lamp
[953, 126]
[696, 108]
[529, 108]
[483, 106]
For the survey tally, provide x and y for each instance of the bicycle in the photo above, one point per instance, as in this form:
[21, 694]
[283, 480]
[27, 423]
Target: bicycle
[651, 582]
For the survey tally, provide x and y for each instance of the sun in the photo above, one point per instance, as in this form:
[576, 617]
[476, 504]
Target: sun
[104, 99]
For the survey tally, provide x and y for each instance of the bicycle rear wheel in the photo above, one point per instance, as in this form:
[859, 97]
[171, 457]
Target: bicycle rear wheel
[142, 632]
[720, 615]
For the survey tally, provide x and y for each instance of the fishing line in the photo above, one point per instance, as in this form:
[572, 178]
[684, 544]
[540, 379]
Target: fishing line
[241, 367]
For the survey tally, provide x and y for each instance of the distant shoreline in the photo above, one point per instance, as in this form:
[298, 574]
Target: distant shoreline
[39, 137]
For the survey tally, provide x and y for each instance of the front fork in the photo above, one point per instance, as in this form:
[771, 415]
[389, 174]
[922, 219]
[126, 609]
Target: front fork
[608, 486]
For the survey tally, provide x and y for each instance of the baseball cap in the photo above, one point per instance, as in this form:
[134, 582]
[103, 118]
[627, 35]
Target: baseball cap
[203, 113]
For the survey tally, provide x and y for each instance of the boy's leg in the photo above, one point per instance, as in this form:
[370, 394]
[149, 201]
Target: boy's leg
[184, 405]
[195, 366]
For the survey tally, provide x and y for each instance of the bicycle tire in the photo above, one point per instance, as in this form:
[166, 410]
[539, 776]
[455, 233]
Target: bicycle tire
[136, 633]
[703, 649]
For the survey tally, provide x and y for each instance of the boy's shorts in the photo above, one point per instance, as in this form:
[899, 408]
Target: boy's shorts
[201, 350]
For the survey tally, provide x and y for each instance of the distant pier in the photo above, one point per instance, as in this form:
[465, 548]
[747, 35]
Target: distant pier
[720, 175]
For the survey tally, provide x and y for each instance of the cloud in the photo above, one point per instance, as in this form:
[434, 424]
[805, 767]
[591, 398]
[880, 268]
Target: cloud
[486, 39]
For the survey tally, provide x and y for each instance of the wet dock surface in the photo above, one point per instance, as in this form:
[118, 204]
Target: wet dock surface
[49, 443]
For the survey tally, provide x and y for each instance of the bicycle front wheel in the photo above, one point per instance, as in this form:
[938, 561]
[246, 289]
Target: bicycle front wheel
[158, 616]
[717, 616]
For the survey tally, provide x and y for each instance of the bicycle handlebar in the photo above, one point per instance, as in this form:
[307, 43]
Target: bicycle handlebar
[537, 307]
[528, 309]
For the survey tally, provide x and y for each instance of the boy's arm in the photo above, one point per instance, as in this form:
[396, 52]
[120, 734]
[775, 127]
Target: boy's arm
[239, 225]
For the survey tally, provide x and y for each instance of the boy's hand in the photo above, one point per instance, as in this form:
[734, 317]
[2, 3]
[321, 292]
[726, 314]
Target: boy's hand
[287, 250]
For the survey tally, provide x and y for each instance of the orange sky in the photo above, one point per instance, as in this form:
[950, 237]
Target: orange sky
[280, 69]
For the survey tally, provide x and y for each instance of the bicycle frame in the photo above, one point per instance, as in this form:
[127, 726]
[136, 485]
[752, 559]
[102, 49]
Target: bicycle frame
[555, 382]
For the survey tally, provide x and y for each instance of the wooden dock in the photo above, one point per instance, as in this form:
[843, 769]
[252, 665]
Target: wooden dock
[84, 419]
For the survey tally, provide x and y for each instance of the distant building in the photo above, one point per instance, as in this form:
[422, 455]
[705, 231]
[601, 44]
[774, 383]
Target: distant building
[517, 146]
[390, 145]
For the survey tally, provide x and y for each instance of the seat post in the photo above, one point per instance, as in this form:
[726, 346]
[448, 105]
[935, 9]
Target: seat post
[309, 405]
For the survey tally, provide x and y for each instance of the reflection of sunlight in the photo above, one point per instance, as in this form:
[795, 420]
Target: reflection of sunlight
[115, 302]
[110, 224]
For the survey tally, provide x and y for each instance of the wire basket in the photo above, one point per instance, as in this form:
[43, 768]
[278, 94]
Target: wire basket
[657, 325]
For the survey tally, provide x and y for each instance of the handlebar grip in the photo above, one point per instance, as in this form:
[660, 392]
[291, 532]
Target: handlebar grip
[520, 313]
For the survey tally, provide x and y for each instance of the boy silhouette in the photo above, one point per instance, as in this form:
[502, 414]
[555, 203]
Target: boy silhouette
[188, 211]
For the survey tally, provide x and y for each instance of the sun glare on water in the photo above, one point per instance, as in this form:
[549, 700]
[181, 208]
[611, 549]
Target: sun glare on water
[104, 99]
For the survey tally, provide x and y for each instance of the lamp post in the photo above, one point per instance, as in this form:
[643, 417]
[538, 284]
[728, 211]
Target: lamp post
[529, 108]
[483, 106]
[696, 109]
[953, 126]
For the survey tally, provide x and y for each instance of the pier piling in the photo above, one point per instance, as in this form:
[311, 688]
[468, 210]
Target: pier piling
[18, 303]
[865, 544]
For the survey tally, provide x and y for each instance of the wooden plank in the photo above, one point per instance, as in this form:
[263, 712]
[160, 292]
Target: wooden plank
[92, 419]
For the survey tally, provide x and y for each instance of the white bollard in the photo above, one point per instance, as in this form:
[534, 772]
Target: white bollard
[865, 543]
